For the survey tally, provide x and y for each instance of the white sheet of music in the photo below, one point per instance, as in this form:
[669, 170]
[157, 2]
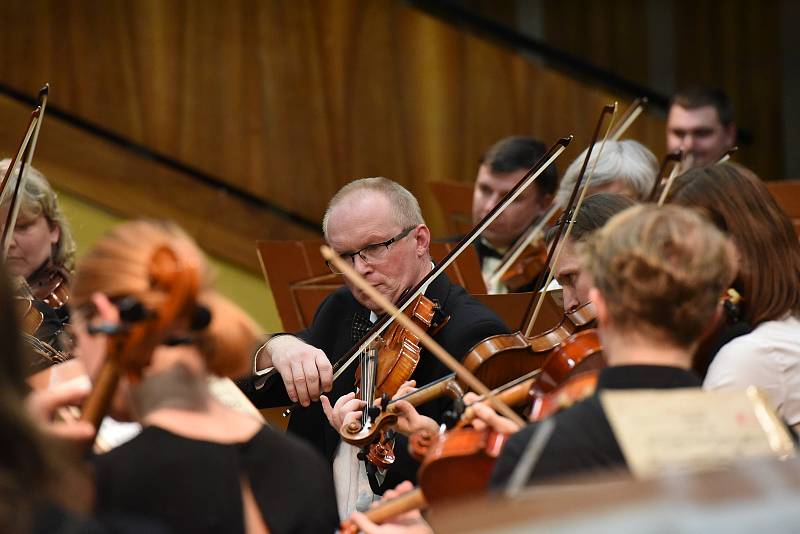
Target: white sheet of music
[691, 429]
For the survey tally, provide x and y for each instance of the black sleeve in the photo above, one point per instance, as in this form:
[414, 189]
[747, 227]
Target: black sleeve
[293, 485]
[509, 458]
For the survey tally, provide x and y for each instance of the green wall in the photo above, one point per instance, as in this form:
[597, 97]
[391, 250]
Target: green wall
[251, 292]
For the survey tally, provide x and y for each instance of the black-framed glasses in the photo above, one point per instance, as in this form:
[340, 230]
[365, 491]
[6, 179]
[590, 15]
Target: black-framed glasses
[372, 254]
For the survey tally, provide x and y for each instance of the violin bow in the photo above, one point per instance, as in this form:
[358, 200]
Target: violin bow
[628, 118]
[631, 114]
[678, 166]
[29, 145]
[562, 235]
[378, 328]
[397, 314]
[673, 157]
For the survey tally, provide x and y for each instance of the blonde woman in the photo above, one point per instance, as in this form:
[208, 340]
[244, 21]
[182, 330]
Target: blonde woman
[197, 466]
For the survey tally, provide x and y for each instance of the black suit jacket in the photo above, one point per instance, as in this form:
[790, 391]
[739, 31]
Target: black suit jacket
[583, 440]
[332, 332]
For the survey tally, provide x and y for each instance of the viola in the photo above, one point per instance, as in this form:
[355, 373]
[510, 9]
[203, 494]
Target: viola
[132, 342]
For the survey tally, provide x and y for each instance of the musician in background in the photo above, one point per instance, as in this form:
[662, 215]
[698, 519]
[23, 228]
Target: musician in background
[42, 252]
[657, 277]
[700, 122]
[503, 165]
[42, 247]
[768, 258]
[594, 213]
[625, 167]
[376, 225]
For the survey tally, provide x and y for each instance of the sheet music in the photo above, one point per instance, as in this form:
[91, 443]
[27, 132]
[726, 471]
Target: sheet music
[691, 429]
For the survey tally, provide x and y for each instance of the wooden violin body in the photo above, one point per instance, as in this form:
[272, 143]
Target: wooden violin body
[527, 266]
[500, 359]
[457, 463]
[399, 350]
[575, 389]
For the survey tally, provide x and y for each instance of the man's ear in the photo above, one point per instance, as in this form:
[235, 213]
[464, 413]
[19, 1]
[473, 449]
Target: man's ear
[730, 134]
[423, 240]
[600, 305]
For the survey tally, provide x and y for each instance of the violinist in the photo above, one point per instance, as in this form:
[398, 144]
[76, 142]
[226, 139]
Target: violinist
[625, 167]
[197, 465]
[42, 252]
[377, 226]
[657, 276]
[500, 169]
[768, 257]
[700, 123]
[594, 213]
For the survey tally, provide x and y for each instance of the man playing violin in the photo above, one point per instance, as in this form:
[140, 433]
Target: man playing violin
[377, 226]
[657, 275]
[700, 122]
[503, 165]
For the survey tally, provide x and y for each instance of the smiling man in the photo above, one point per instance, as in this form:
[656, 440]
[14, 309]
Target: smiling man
[377, 226]
[700, 122]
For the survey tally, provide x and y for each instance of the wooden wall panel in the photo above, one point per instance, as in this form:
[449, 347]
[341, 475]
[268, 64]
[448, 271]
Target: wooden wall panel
[289, 100]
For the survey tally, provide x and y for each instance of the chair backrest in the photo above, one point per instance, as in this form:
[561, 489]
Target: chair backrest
[787, 194]
[455, 199]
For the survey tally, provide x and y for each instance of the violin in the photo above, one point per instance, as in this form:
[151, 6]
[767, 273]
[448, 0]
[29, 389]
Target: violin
[573, 390]
[132, 342]
[499, 359]
[359, 435]
[385, 366]
[51, 285]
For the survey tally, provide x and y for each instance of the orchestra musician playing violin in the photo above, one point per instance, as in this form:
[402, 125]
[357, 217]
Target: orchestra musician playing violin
[595, 211]
[42, 248]
[768, 258]
[657, 277]
[42, 253]
[376, 225]
[700, 123]
[197, 465]
[503, 165]
[625, 167]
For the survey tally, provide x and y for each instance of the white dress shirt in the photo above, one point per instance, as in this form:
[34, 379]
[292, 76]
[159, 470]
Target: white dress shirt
[768, 358]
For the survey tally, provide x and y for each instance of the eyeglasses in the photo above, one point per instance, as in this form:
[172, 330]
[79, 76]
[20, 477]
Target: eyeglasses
[372, 254]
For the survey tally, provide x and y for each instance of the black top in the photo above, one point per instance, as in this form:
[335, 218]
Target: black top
[582, 440]
[334, 332]
[194, 486]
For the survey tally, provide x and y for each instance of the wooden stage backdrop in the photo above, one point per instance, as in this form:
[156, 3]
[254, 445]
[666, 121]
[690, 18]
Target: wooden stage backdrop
[287, 101]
